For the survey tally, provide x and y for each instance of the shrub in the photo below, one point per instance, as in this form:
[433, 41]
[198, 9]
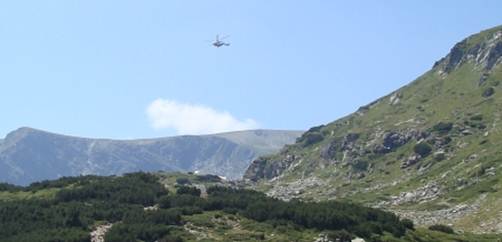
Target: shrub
[9, 187]
[360, 165]
[310, 138]
[339, 235]
[439, 156]
[133, 232]
[134, 188]
[477, 117]
[164, 216]
[190, 210]
[443, 127]
[165, 202]
[183, 181]
[188, 190]
[441, 228]
[183, 200]
[408, 224]
[481, 126]
[488, 92]
[315, 129]
[171, 238]
[423, 149]
[208, 178]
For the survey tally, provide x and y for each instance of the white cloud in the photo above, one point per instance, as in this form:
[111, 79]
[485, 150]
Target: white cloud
[186, 118]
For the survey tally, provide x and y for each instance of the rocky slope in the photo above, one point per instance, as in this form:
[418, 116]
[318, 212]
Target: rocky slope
[429, 151]
[28, 155]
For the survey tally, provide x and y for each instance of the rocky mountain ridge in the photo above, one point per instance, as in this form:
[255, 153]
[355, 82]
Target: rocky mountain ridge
[427, 149]
[29, 155]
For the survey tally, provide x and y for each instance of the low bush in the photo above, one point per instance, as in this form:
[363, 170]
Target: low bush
[443, 127]
[488, 92]
[183, 181]
[188, 190]
[423, 149]
[442, 228]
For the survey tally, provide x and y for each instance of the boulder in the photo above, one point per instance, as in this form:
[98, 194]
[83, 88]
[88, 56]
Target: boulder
[411, 160]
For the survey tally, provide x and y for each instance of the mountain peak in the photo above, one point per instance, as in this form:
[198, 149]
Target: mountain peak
[30, 154]
[483, 49]
[20, 132]
[434, 141]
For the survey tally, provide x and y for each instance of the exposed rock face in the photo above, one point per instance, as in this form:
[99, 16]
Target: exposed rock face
[262, 169]
[394, 139]
[442, 127]
[29, 155]
[422, 194]
[295, 189]
[348, 143]
[395, 98]
[346, 149]
[485, 54]
[444, 216]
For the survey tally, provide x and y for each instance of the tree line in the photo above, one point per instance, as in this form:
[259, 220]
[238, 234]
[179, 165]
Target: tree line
[82, 203]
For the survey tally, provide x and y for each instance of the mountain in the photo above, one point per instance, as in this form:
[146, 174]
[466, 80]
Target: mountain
[429, 151]
[28, 155]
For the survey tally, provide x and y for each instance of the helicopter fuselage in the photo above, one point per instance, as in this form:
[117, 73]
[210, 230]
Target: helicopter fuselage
[219, 44]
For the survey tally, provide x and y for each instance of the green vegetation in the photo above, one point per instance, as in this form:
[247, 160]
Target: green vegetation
[423, 149]
[442, 228]
[310, 138]
[188, 190]
[331, 215]
[141, 209]
[360, 165]
[76, 207]
[488, 92]
[183, 181]
[451, 116]
[442, 127]
[82, 203]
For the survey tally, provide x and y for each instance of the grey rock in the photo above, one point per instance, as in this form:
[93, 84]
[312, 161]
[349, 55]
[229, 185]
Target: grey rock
[426, 193]
[411, 160]
[29, 155]
[485, 55]
[295, 189]
[98, 234]
[442, 216]
[395, 98]
[394, 139]
[348, 143]
[488, 92]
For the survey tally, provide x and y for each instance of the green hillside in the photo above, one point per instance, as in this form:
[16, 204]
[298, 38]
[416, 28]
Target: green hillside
[429, 151]
[182, 207]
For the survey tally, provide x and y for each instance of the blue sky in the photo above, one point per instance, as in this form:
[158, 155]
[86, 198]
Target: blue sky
[130, 69]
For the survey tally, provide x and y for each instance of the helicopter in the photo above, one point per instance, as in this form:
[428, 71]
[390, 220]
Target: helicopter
[219, 43]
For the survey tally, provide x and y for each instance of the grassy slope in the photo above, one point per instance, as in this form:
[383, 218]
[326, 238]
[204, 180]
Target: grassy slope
[430, 99]
[221, 226]
[48, 193]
